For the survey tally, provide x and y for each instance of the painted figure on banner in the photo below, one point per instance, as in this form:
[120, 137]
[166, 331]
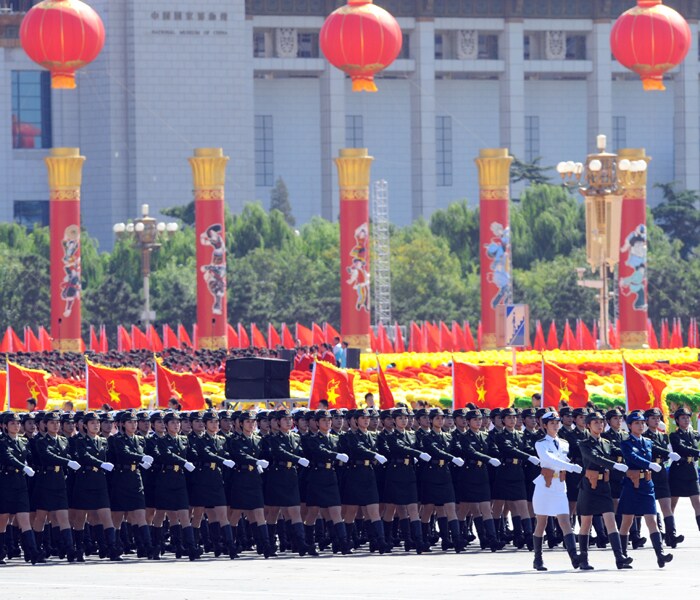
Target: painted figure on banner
[70, 288]
[215, 271]
[358, 270]
[635, 246]
[498, 250]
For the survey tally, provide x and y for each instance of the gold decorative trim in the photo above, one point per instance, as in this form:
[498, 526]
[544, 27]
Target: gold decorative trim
[354, 166]
[66, 345]
[64, 195]
[217, 194]
[65, 167]
[213, 343]
[494, 167]
[208, 168]
[498, 193]
[354, 194]
[635, 193]
[359, 340]
[634, 339]
[488, 341]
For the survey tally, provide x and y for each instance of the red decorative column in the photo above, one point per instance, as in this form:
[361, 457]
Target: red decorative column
[65, 168]
[632, 269]
[494, 238]
[353, 179]
[209, 175]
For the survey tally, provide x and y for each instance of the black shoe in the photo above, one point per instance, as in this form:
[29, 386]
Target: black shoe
[663, 559]
[638, 542]
[623, 563]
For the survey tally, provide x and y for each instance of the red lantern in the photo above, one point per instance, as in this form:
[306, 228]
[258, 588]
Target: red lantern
[650, 39]
[361, 39]
[62, 36]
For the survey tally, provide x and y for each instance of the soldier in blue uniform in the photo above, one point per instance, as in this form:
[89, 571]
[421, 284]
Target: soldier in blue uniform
[637, 497]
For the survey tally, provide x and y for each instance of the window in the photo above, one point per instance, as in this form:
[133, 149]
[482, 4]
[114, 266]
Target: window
[532, 138]
[619, 132]
[32, 212]
[259, 50]
[526, 46]
[488, 47]
[264, 166]
[307, 45]
[443, 150]
[575, 47]
[354, 134]
[405, 46]
[439, 46]
[31, 109]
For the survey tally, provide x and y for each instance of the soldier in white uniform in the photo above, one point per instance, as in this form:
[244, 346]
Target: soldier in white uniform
[549, 499]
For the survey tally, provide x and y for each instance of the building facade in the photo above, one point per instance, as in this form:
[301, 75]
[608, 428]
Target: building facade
[535, 76]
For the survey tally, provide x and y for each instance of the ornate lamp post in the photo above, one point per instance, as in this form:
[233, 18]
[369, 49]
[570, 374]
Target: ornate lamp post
[602, 181]
[146, 233]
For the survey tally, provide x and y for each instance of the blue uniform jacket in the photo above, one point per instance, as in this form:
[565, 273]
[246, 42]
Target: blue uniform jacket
[638, 455]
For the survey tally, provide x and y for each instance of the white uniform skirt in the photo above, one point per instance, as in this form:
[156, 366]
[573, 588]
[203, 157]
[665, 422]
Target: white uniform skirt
[550, 501]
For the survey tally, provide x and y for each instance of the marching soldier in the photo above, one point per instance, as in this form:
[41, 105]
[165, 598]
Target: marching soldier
[683, 475]
[574, 436]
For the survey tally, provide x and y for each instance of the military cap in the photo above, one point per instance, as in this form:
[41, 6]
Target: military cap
[235, 414]
[321, 413]
[613, 412]
[652, 412]
[361, 412]
[91, 415]
[79, 415]
[263, 415]
[142, 415]
[580, 412]
[186, 415]
[40, 415]
[127, 415]
[246, 415]
[550, 416]
[486, 412]
[196, 415]
[156, 415]
[460, 412]
[67, 417]
[435, 412]
[509, 412]
[385, 414]
[528, 412]
[565, 411]
[171, 416]
[495, 412]
[106, 417]
[300, 413]
[681, 412]
[341, 412]
[225, 414]
[210, 415]
[635, 415]
[280, 414]
[474, 413]
[594, 415]
[447, 412]
[540, 412]
[10, 417]
[421, 412]
[399, 412]
[373, 413]
[24, 417]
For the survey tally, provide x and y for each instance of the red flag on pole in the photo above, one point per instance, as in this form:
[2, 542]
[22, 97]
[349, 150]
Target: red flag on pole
[665, 337]
[257, 336]
[185, 387]
[31, 342]
[183, 336]
[331, 333]
[304, 335]
[3, 390]
[94, 342]
[123, 340]
[399, 345]
[479, 335]
[332, 384]
[273, 338]
[169, 338]
[386, 398]
[287, 337]
[372, 340]
[643, 391]
[552, 341]
[469, 338]
[384, 345]
[139, 340]
[653, 340]
[568, 341]
[104, 343]
[486, 386]
[446, 339]
[563, 384]
[460, 343]
[317, 334]
[432, 337]
[45, 339]
[232, 340]
[23, 384]
[243, 337]
[118, 387]
[416, 341]
[540, 344]
[154, 341]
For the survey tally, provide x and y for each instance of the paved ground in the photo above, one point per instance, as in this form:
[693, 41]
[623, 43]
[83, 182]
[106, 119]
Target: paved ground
[361, 576]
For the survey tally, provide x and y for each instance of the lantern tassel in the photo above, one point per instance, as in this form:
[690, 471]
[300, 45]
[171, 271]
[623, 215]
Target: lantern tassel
[63, 81]
[653, 84]
[363, 84]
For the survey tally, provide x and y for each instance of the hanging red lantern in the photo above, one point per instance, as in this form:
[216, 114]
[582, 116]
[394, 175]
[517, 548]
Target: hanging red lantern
[62, 36]
[650, 39]
[361, 39]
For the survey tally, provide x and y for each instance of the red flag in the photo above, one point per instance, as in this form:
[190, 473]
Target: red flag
[45, 339]
[11, 342]
[304, 336]
[383, 342]
[331, 333]
[386, 398]
[400, 347]
[31, 342]
[676, 334]
[259, 340]
[123, 340]
[587, 340]
[469, 338]
[563, 384]
[416, 342]
[195, 335]
[243, 338]
[317, 335]
[170, 338]
[539, 337]
[552, 341]
[693, 333]
[3, 390]
[653, 340]
[613, 339]
[139, 340]
[273, 338]
[665, 337]
[447, 340]
[479, 334]
[104, 343]
[642, 390]
[94, 342]
[232, 337]
[154, 341]
[118, 387]
[23, 384]
[183, 336]
[287, 337]
[458, 337]
[185, 387]
[486, 386]
[568, 342]
[332, 384]
[372, 340]
[432, 337]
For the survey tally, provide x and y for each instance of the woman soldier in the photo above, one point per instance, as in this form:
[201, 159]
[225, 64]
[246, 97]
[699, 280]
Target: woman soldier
[14, 494]
[637, 497]
[594, 496]
[50, 493]
[206, 489]
[323, 492]
[246, 481]
[400, 484]
[90, 489]
[683, 475]
[473, 485]
[170, 460]
[549, 498]
[662, 491]
[126, 452]
[359, 484]
[149, 476]
[438, 493]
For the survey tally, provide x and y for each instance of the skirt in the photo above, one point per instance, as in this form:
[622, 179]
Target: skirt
[246, 490]
[507, 488]
[639, 501]
[50, 499]
[400, 485]
[662, 489]
[472, 484]
[14, 496]
[590, 502]
[282, 487]
[126, 491]
[171, 492]
[550, 501]
[573, 481]
[89, 499]
[205, 487]
[322, 488]
[360, 486]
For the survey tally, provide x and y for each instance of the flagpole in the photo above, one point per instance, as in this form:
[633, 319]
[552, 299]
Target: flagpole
[624, 377]
[542, 398]
[453, 382]
[87, 384]
[313, 379]
[7, 383]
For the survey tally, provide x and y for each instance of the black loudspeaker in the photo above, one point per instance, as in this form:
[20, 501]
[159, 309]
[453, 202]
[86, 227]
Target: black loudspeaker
[352, 361]
[257, 378]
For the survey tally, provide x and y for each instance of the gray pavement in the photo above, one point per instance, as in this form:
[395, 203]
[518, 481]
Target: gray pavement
[362, 576]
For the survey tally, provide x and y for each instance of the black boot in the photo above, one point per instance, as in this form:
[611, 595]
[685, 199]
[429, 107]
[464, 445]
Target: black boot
[2, 548]
[112, 548]
[157, 539]
[570, 545]
[697, 520]
[518, 538]
[425, 531]
[417, 535]
[283, 541]
[309, 532]
[601, 537]
[491, 536]
[31, 549]
[189, 543]
[341, 533]
[480, 532]
[79, 539]
[583, 556]
[215, 538]
[624, 540]
[671, 539]
[444, 530]
[538, 563]
[405, 526]
[205, 535]
[457, 541]
[381, 542]
[66, 544]
[227, 530]
[661, 558]
[145, 541]
[549, 532]
[621, 561]
[527, 533]
[635, 534]
[263, 542]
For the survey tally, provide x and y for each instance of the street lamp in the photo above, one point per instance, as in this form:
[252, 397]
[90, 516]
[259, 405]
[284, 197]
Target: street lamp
[602, 181]
[146, 233]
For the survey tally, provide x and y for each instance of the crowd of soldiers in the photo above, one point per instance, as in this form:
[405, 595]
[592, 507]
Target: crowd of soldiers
[229, 482]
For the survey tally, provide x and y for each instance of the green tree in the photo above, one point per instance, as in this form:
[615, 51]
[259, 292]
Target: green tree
[279, 200]
[532, 172]
[458, 225]
[679, 217]
[25, 290]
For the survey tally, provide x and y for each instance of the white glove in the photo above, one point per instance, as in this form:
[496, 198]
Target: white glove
[74, 465]
[28, 471]
[189, 466]
[458, 461]
[674, 456]
[415, 460]
[494, 462]
[146, 465]
[656, 467]
[107, 466]
[575, 468]
[304, 462]
[262, 464]
[424, 456]
[534, 460]
[260, 469]
[623, 468]
[229, 463]
[343, 458]
[147, 459]
[381, 459]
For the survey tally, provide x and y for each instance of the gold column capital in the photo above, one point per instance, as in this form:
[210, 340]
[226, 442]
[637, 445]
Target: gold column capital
[634, 339]
[634, 183]
[213, 343]
[209, 171]
[65, 167]
[354, 165]
[494, 173]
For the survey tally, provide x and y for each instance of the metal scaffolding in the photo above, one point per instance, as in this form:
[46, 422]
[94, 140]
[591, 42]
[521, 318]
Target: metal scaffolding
[381, 260]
